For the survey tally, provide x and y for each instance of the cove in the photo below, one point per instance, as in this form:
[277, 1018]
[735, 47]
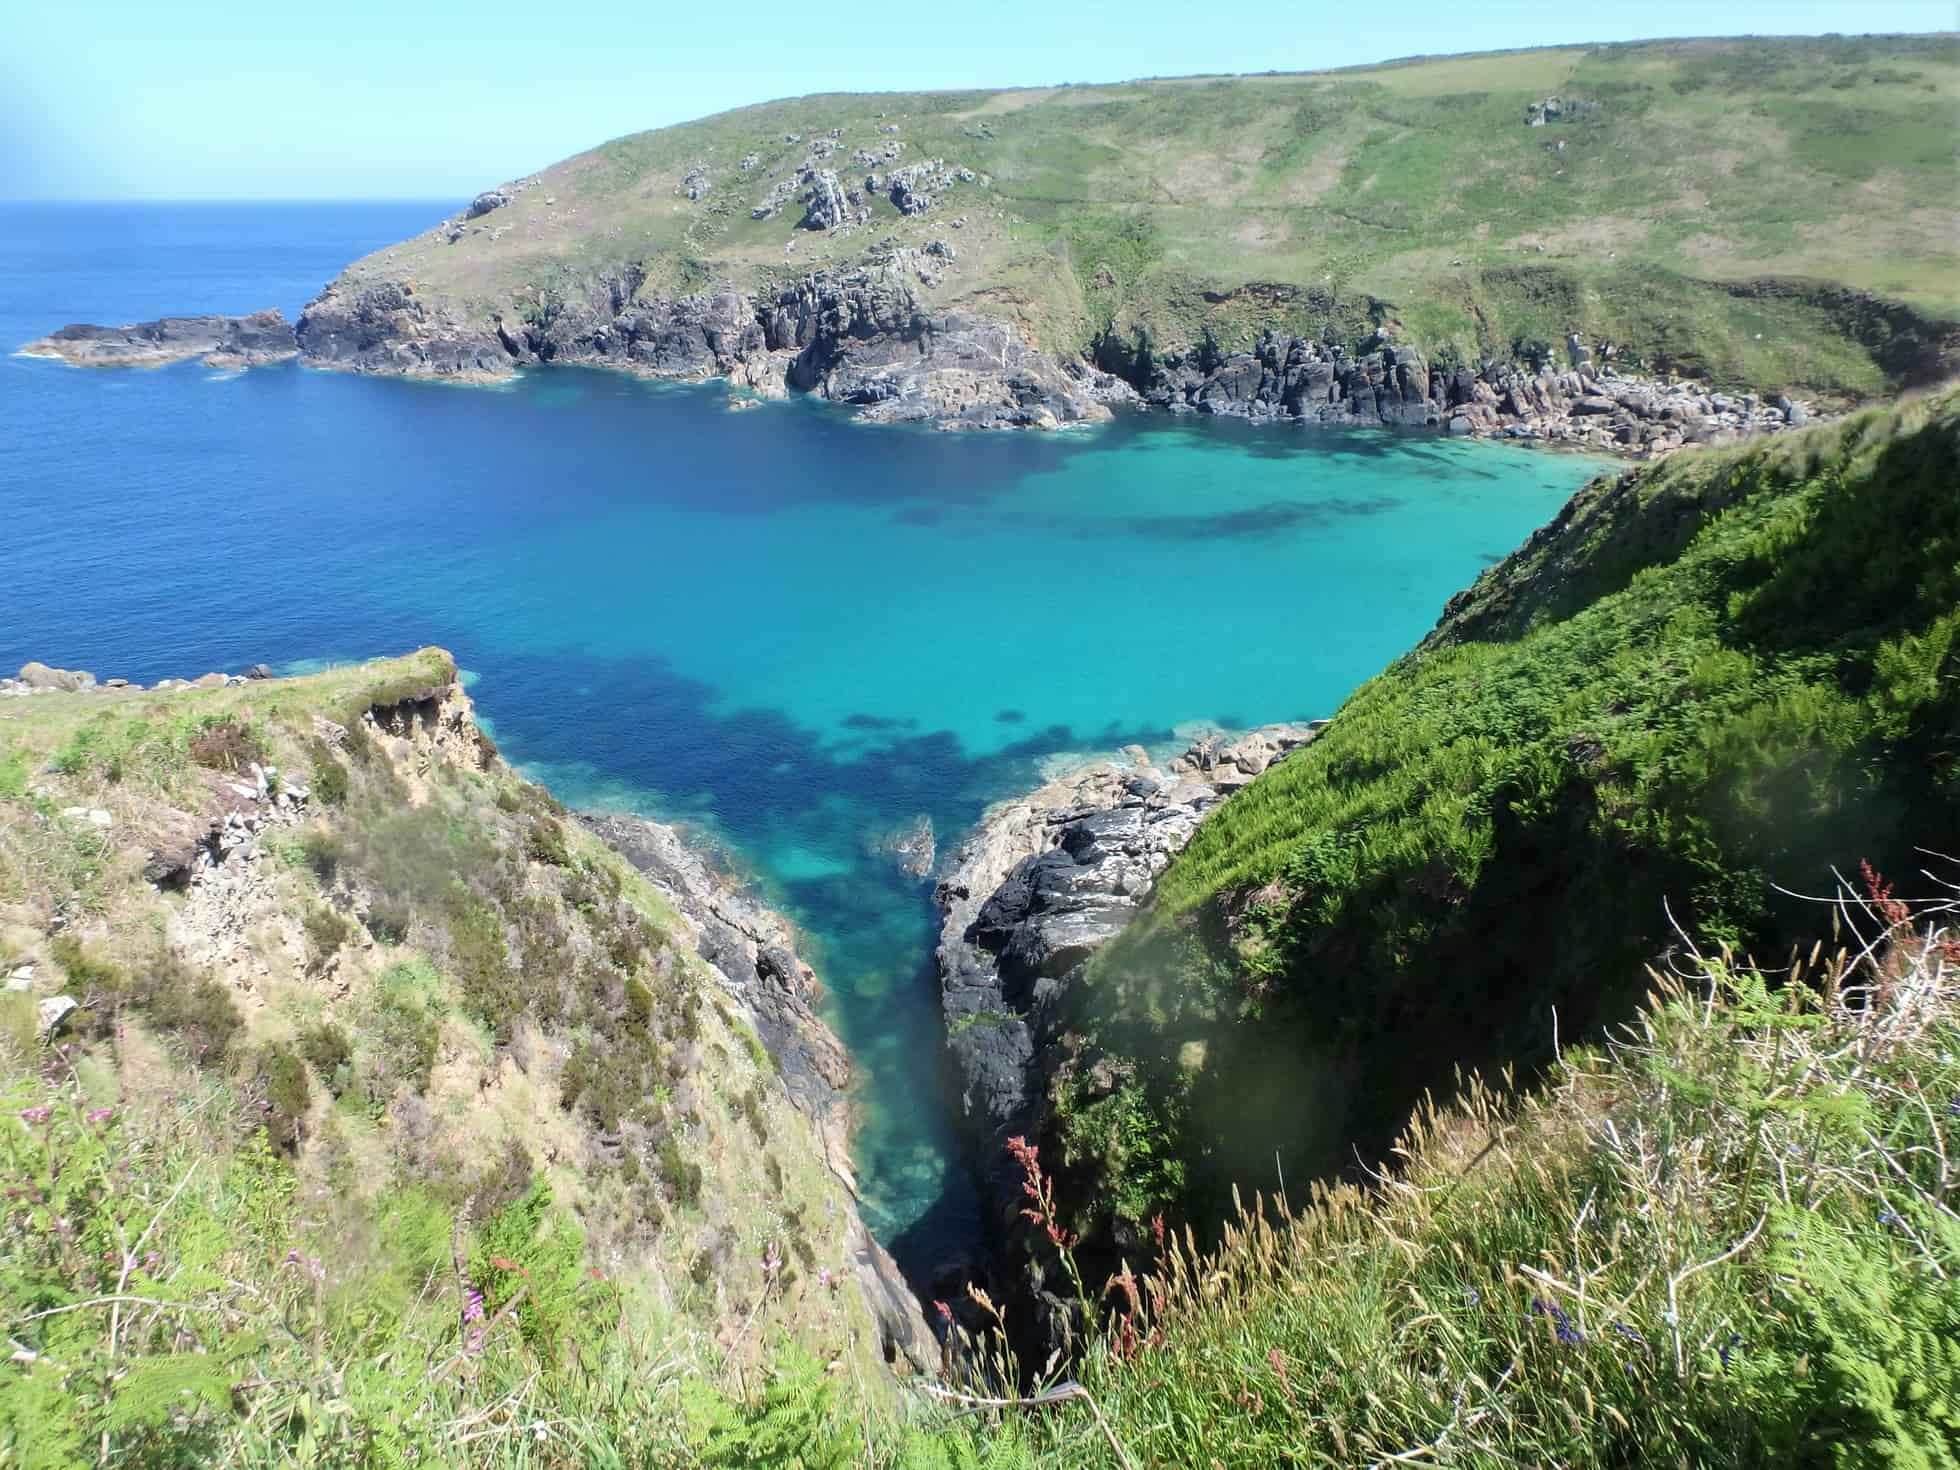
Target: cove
[791, 631]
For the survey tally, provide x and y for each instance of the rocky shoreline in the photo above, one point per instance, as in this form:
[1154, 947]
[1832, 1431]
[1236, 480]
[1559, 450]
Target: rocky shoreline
[865, 337]
[218, 341]
[1041, 883]
[859, 337]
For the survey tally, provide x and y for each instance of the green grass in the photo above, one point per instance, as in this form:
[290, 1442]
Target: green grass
[1146, 207]
[443, 999]
[1707, 683]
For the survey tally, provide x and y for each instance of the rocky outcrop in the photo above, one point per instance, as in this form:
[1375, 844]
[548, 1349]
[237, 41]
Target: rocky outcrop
[860, 337]
[1388, 381]
[220, 341]
[387, 328]
[1038, 886]
[751, 951]
[39, 678]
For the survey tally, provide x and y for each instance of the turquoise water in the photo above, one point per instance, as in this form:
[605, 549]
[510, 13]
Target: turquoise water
[794, 631]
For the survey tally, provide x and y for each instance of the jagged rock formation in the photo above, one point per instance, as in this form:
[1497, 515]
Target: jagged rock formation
[860, 336]
[1388, 381]
[1033, 891]
[221, 341]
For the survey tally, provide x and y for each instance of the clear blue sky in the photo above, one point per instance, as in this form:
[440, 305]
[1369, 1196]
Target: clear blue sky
[430, 99]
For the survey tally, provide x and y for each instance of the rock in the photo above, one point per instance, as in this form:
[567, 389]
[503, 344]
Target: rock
[825, 207]
[259, 671]
[52, 1014]
[912, 846]
[41, 676]
[21, 977]
[221, 341]
[488, 200]
[385, 328]
[1031, 893]
[208, 681]
[694, 183]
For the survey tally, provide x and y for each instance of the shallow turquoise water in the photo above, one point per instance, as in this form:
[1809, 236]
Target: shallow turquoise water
[794, 631]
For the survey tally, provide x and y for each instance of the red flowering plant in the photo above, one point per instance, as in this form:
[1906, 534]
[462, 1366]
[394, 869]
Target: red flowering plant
[1041, 1212]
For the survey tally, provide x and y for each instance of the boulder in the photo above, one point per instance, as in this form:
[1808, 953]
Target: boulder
[38, 675]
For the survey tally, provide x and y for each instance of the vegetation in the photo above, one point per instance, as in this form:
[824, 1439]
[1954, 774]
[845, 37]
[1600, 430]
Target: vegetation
[1709, 682]
[1716, 206]
[390, 1141]
[1727, 1237]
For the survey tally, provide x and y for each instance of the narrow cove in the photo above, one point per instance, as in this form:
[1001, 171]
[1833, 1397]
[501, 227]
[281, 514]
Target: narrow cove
[795, 633]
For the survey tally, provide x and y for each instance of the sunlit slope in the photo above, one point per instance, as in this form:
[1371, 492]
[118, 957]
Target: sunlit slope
[1705, 204]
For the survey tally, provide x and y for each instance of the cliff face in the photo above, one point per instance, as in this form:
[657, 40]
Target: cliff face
[1040, 885]
[859, 337]
[330, 899]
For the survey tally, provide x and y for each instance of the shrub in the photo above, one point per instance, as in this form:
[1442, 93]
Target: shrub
[545, 843]
[228, 746]
[283, 1095]
[388, 920]
[682, 1178]
[330, 780]
[326, 932]
[330, 1054]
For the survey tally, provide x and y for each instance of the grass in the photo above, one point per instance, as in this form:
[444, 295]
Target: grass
[442, 1001]
[1148, 207]
[1706, 684]
[1726, 1237]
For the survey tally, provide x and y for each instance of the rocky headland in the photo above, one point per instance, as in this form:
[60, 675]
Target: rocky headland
[1041, 883]
[219, 341]
[860, 336]
[214, 851]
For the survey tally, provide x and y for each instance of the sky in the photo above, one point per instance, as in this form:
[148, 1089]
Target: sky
[429, 99]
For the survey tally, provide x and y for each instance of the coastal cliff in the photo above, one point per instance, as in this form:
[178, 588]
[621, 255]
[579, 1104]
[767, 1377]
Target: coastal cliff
[326, 907]
[1041, 883]
[1480, 245]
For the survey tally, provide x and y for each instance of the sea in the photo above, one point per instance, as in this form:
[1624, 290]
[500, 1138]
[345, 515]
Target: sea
[791, 632]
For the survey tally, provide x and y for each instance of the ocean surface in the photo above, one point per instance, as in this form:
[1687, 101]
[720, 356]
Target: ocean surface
[793, 631]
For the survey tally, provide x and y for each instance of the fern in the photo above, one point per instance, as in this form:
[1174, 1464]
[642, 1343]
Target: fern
[155, 1390]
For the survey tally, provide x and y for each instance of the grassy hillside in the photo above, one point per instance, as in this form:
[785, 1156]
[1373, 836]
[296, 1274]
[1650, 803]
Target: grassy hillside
[1704, 205]
[418, 1097]
[1710, 682]
[1727, 1240]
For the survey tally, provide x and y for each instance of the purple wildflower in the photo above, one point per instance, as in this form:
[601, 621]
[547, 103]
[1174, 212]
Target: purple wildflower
[826, 1280]
[1472, 1297]
[98, 1116]
[473, 1305]
[41, 1114]
[1568, 1333]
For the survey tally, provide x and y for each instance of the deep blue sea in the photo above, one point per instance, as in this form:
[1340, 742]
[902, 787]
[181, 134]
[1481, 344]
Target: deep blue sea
[796, 632]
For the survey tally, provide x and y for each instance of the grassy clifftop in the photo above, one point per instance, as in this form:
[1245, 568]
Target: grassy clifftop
[1702, 204]
[1708, 684]
[345, 1102]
